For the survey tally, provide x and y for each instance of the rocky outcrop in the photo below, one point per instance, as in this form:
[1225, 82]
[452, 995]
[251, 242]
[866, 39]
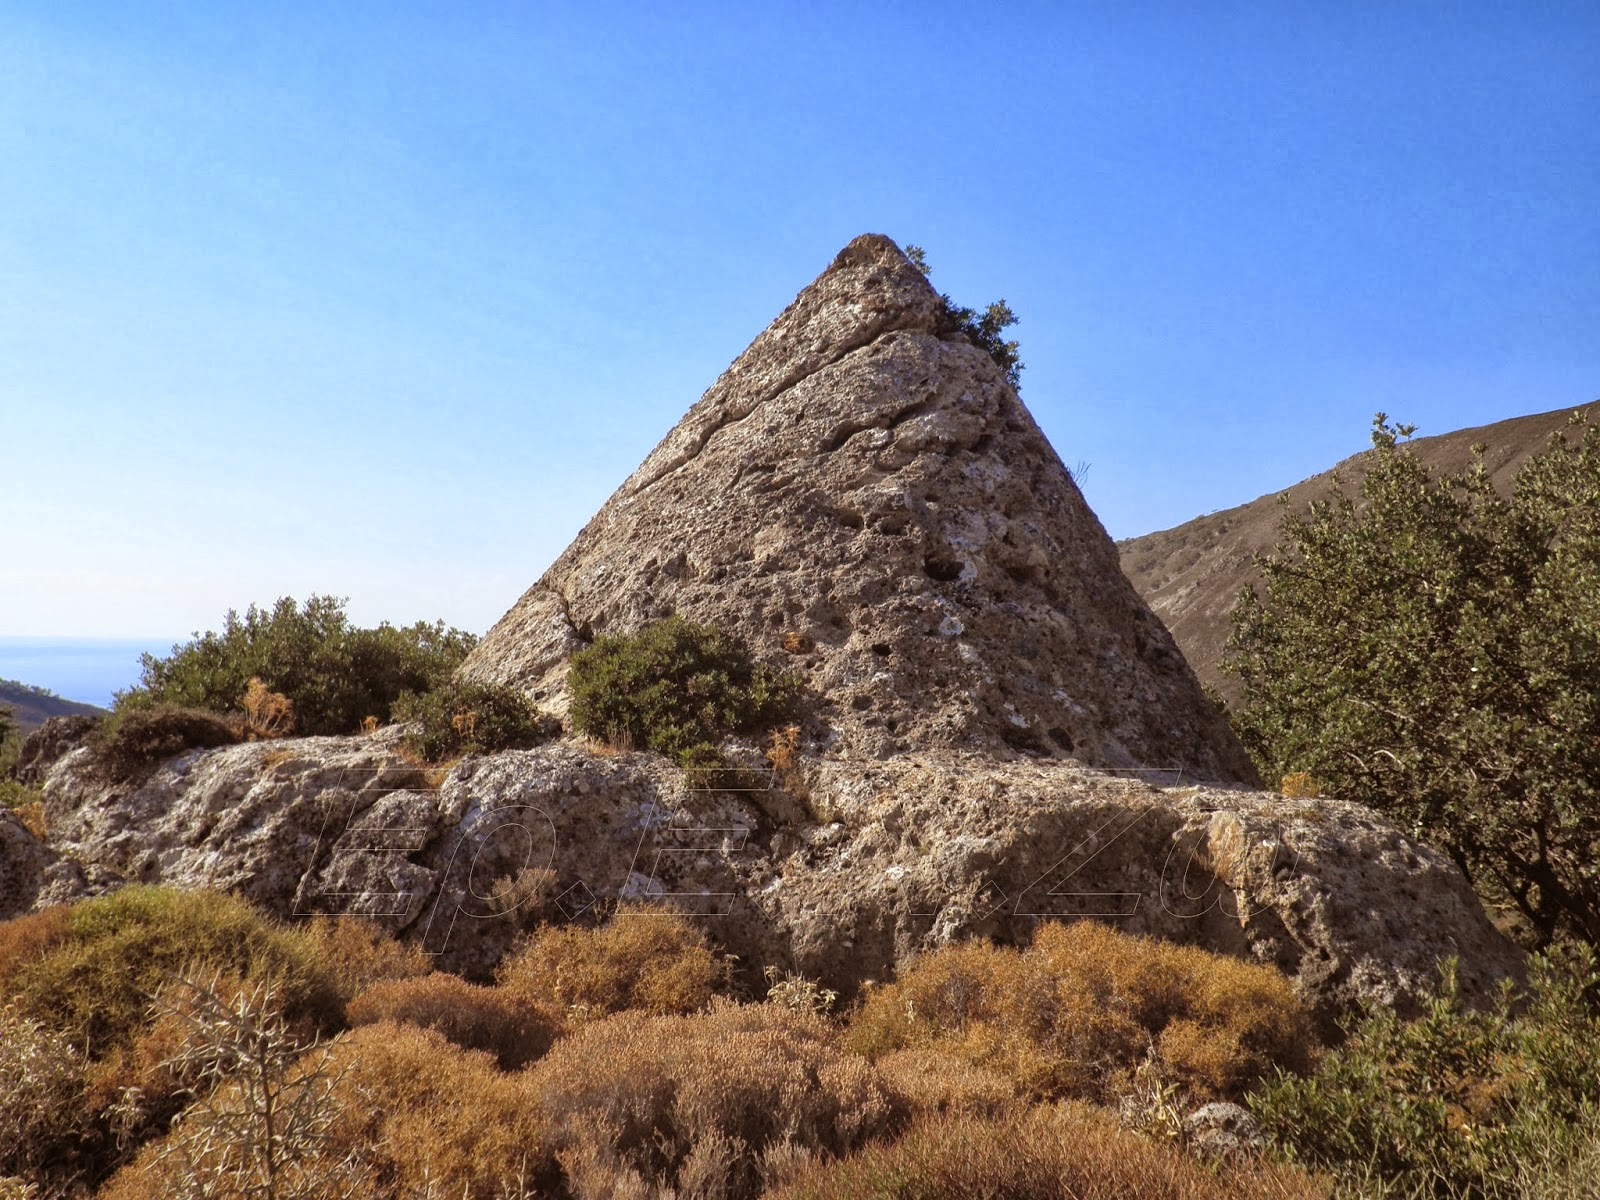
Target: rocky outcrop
[863, 497]
[32, 875]
[840, 878]
[46, 745]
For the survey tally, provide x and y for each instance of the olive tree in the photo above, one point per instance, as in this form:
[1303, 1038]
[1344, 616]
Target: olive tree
[1432, 649]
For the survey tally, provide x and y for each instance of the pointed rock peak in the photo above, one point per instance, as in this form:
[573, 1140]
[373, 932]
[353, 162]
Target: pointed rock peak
[863, 498]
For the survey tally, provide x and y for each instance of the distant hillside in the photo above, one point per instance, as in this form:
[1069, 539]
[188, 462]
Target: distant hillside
[1192, 574]
[33, 706]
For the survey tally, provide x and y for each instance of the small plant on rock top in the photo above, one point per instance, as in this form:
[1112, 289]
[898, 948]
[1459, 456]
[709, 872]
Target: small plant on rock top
[676, 687]
[472, 718]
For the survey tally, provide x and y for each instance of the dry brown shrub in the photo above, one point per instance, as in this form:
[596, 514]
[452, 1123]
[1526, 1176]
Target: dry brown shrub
[41, 1095]
[1300, 785]
[32, 817]
[1066, 1152]
[646, 958]
[696, 1103]
[439, 1120]
[499, 1021]
[30, 937]
[414, 1116]
[267, 714]
[930, 1081]
[1079, 1010]
[362, 953]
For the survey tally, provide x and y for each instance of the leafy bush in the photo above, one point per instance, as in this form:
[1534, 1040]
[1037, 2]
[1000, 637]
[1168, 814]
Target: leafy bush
[696, 1102]
[1433, 651]
[132, 742]
[1078, 1012]
[472, 718]
[648, 959]
[1069, 1152]
[332, 673]
[1456, 1102]
[499, 1020]
[676, 687]
[985, 332]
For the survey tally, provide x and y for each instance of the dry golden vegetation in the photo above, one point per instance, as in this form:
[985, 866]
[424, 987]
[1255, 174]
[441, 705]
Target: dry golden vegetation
[326, 1060]
[1077, 1012]
[513, 1029]
[695, 1103]
[646, 958]
[1071, 1152]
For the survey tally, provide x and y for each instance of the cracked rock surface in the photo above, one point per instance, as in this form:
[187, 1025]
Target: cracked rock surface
[865, 500]
[873, 863]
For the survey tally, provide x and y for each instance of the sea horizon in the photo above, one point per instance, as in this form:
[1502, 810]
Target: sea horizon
[87, 670]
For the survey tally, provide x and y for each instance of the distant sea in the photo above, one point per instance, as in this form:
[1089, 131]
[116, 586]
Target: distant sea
[84, 669]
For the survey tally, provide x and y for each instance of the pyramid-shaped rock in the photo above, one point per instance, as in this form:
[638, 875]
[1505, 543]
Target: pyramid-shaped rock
[864, 499]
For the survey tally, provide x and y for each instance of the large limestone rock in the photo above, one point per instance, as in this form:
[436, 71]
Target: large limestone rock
[863, 489]
[863, 496]
[867, 865]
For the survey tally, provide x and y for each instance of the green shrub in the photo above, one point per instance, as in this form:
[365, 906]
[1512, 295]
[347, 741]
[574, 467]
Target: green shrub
[132, 742]
[10, 740]
[1455, 1102]
[1432, 649]
[985, 331]
[676, 687]
[472, 718]
[334, 674]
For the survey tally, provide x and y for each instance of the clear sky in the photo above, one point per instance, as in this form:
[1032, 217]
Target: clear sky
[383, 300]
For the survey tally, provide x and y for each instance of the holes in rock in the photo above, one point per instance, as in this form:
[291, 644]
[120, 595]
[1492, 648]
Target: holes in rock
[1061, 738]
[881, 649]
[861, 702]
[851, 520]
[1026, 740]
[941, 569]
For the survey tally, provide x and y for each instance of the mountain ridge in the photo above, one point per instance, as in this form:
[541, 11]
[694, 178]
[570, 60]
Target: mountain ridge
[1191, 574]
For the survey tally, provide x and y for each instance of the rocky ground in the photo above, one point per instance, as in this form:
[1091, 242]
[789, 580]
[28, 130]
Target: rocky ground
[837, 870]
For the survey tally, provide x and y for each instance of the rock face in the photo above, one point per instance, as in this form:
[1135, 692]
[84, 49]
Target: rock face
[863, 496]
[32, 874]
[870, 863]
[48, 743]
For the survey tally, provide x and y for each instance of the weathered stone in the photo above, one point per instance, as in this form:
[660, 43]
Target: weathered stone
[878, 862]
[863, 497]
[45, 746]
[32, 875]
[1221, 1129]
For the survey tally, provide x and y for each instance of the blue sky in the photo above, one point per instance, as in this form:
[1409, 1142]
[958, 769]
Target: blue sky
[383, 300]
